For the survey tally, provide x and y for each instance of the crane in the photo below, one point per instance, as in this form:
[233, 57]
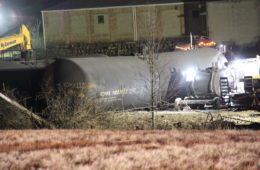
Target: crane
[23, 39]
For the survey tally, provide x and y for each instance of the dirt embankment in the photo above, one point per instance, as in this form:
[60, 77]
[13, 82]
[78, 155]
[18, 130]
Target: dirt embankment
[115, 149]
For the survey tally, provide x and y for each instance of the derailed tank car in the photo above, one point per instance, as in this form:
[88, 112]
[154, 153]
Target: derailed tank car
[125, 82]
[119, 81]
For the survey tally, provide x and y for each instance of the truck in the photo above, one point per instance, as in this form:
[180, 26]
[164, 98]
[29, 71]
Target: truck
[246, 81]
[23, 39]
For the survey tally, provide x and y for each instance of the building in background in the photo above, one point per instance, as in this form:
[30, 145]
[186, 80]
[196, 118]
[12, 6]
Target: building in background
[195, 14]
[234, 21]
[110, 22]
[77, 22]
[237, 24]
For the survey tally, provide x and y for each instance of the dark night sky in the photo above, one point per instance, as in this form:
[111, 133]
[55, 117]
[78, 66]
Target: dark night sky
[28, 7]
[33, 7]
[16, 12]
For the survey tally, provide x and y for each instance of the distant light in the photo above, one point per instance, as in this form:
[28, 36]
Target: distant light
[183, 47]
[207, 44]
[13, 15]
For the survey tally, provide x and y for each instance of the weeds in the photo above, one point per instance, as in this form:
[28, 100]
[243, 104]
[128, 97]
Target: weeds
[68, 108]
[115, 149]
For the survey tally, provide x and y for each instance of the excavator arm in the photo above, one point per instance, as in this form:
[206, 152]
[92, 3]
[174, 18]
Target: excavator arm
[23, 39]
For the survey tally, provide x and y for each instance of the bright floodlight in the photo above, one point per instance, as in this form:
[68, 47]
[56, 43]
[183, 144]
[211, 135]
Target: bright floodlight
[238, 64]
[189, 74]
[249, 67]
[13, 14]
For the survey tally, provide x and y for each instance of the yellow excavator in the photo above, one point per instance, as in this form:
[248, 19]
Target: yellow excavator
[23, 39]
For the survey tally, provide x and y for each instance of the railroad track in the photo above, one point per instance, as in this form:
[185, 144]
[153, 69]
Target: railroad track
[217, 115]
[240, 120]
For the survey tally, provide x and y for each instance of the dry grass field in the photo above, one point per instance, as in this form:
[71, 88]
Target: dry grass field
[126, 149]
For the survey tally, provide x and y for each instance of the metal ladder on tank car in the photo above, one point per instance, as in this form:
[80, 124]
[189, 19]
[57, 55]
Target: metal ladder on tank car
[248, 84]
[224, 90]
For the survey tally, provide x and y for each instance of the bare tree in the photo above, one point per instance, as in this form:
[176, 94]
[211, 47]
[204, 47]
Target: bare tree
[35, 32]
[152, 45]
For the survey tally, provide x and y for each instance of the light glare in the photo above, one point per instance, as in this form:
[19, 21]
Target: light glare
[189, 74]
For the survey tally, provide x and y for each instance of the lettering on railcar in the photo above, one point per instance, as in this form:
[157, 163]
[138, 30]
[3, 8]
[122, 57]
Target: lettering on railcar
[122, 92]
[75, 89]
[78, 85]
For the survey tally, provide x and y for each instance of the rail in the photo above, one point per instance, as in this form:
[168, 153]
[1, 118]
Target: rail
[228, 118]
[239, 120]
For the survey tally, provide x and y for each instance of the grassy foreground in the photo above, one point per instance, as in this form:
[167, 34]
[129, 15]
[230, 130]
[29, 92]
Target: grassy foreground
[115, 149]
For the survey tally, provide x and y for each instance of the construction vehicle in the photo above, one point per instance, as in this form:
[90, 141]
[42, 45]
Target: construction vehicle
[22, 39]
[245, 90]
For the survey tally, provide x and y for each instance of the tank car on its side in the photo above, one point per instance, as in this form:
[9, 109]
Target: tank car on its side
[124, 82]
[119, 81]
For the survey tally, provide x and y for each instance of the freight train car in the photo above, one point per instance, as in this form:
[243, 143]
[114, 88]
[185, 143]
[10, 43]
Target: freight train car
[196, 77]
[125, 82]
